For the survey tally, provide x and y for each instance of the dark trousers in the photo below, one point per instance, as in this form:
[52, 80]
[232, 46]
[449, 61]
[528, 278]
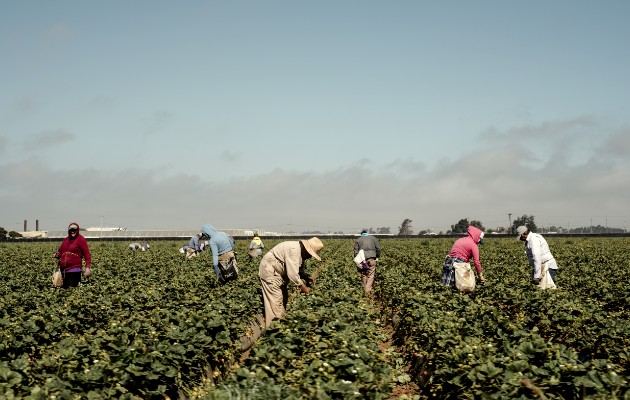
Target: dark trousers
[71, 279]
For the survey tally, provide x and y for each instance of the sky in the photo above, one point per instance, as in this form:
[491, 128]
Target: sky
[329, 116]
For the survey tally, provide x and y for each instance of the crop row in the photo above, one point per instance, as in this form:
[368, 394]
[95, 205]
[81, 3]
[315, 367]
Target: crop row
[146, 324]
[327, 346]
[150, 324]
[509, 339]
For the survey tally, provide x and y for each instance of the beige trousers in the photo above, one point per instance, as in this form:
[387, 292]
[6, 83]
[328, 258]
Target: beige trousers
[275, 296]
[367, 277]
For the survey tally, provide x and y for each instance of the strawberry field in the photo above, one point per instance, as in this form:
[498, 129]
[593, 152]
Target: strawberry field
[154, 325]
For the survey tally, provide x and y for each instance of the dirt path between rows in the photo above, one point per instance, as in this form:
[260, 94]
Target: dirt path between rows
[403, 386]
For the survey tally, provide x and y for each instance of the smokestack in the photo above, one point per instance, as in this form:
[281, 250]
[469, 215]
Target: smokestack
[37, 225]
[25, 226]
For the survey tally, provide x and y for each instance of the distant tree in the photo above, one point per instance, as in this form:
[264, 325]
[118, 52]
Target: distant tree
[478, 224]
[463, 224]
[383, 231]
[599, 229]
[460, 227]
[371, 231]
[3, 233]
[405, 228]
[527, 220]
[14, 234]
[422, 232]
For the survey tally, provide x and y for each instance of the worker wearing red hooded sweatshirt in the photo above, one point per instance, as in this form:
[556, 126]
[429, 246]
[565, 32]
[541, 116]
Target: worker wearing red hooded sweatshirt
[73, 250]
[463, 250]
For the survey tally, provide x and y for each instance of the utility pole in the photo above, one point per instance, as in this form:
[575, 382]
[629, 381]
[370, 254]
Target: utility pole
[510, 226]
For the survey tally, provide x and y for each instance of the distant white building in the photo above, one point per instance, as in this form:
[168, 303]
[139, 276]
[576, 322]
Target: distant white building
[34, 234]
[105, 229]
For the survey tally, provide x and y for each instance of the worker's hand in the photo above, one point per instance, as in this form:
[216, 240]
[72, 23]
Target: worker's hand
[482, 279]
[305, 289]
[536, 281]
[87, 273]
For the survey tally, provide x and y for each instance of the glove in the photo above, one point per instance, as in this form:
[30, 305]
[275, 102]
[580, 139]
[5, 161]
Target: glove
[536, 281]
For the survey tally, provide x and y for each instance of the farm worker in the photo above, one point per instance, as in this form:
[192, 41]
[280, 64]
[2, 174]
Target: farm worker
[144, 246]
[283, 264]
[71, 253]
[256, 247]
[538, 254]
[462, 251]
[194, 246]
[372, 250]
[223, 254]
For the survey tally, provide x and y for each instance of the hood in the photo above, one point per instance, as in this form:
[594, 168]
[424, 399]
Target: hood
[208, 230]
[474, 233]
[78, 228]
[75, 224]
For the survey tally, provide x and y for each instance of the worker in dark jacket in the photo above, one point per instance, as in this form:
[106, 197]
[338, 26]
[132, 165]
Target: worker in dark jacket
[372, 251]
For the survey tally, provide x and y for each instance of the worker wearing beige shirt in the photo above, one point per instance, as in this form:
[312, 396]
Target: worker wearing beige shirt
[281, 265]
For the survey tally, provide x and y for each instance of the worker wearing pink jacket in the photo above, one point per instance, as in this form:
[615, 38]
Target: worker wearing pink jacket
[462, 251]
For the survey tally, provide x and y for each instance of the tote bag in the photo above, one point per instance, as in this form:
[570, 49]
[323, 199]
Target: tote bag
[464, 277]
[57, 278]
[546, 281]
[359, 260]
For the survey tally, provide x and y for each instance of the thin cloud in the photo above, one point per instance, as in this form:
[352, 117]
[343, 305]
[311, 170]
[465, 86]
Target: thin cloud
[618, 144]
[230, 156]
[46, 139]
[101, 102]
[57, 33]
[485, 184]
[157, 122]
[3, 144]
[26, 105]
[546, 130]
[346, 198]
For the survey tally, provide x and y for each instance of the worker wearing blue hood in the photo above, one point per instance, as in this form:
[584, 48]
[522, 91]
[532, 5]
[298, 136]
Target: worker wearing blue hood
[223, 255]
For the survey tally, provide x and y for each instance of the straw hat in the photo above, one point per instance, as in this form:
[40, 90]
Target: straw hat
[313, 245]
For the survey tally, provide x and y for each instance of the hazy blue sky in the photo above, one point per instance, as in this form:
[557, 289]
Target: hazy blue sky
[314, 115]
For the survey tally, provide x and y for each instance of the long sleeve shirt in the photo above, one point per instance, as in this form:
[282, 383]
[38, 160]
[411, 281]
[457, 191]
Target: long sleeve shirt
[220, 242]
[370, 246]
[195, 243]
[72, 252]
[538, 253]
[466, 248]
[256, 243]
[285, 259]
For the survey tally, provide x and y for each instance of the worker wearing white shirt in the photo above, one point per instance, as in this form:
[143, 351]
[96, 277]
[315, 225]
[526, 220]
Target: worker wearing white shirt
[538, 253]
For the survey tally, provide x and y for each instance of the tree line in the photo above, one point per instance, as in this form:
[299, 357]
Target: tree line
[461, 227]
